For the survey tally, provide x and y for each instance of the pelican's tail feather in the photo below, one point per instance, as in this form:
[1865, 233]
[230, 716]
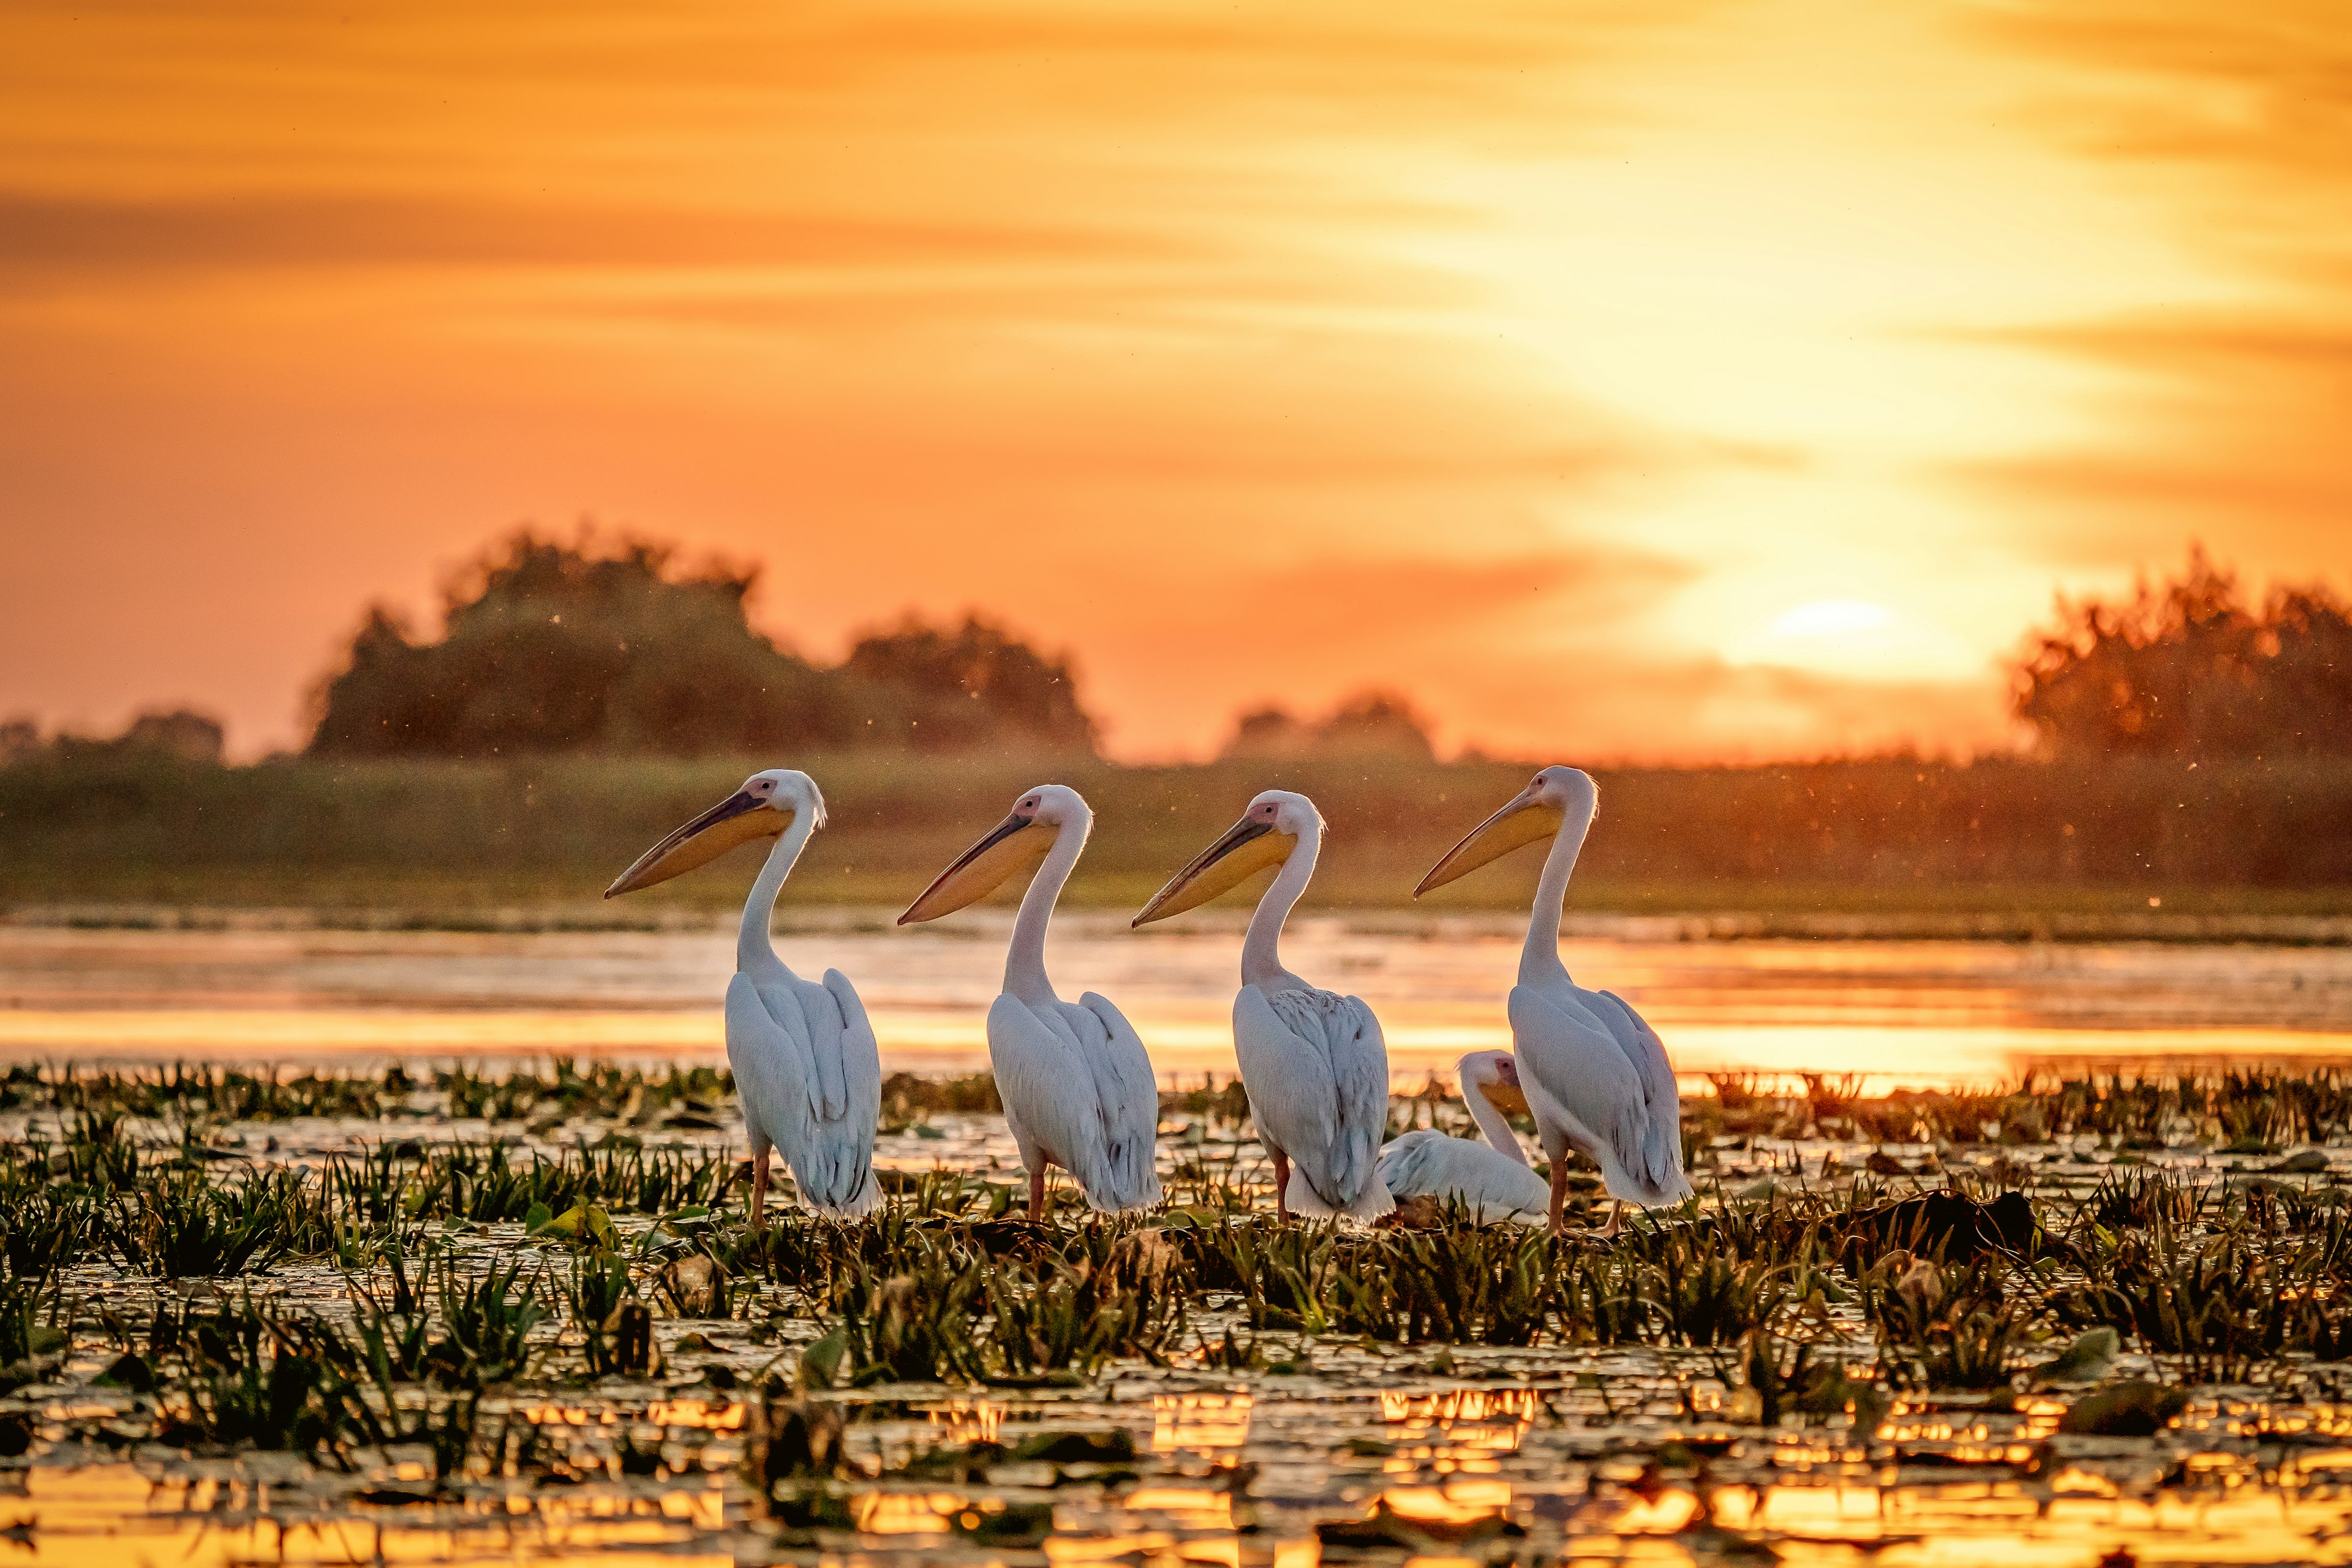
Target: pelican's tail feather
[1370, 1202]
[1660, 1192]
[867, 1198]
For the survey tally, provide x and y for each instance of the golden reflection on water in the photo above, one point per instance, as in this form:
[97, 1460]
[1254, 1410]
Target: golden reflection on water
[1909, 1012]
[113, 1516]
[966, 1421]
[905, 1514]
[1205, 1423]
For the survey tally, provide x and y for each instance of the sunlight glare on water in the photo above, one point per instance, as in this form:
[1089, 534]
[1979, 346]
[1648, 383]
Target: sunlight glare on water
[1894, 1011]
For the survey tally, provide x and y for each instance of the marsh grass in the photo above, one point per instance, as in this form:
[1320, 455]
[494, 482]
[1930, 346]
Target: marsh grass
[182, 1223]
[1818, 1300]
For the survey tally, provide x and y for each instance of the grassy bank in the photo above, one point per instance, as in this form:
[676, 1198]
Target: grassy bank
[2000, 838]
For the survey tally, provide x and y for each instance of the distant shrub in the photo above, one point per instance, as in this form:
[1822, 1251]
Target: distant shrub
[550, 647]
[969, 686]
[2187, 668]
[1369, 725]
[178, 733]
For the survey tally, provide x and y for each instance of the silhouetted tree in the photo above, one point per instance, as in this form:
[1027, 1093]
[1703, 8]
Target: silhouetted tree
[959, 688]
[2187, 668]
[180, 734]
[549, 648]
[1379, 721]
[1270, 731]
[191, 737]
[1375, 722]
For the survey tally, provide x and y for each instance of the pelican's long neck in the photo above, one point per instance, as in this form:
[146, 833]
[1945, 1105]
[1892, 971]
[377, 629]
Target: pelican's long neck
[1025, 962]
[753, 947]
[1539, 960]
[1260, 957]
[1493, 1122]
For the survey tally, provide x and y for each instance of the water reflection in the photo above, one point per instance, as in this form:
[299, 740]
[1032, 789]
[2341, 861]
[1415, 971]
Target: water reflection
[1943, 1481]
[1914, 1012]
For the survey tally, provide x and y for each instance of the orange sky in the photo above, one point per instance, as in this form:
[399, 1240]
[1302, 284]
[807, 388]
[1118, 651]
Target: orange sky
[1650, 378]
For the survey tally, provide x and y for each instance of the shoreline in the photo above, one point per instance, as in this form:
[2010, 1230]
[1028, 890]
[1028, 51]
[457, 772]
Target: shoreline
[2012, 926]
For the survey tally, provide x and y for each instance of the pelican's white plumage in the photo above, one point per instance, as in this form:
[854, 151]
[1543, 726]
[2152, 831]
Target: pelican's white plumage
[1313, 1061]
[1595, 1074]
[1488, 1183]
[1491, 1179]
[806, 1066]
[1077, 1083]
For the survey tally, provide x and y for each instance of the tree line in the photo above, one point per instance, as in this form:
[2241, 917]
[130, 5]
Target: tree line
[618, 647]
[549, 647]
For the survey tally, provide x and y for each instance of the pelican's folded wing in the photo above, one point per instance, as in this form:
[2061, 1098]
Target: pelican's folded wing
[1585, 1073]
[1047, 1086]
[848, 1101]
[1412, 1164]
[1130, 1102]
[1360, 1069]
[768, 1048]
[860, 1054]
[1648, 1054]
[1483, 1179]
[1327, 1089]
[1287, 1071]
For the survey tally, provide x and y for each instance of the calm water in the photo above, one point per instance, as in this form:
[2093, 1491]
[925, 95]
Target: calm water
[1898, 1011]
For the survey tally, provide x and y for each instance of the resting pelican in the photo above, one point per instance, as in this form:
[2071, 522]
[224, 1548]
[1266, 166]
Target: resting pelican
[803, 1054]
[1313, 1061]
[1078, 1089]
[1594, 1073]
[1492, 1179]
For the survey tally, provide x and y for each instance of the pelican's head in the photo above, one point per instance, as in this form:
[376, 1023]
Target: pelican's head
[1555, 795]
[1013, 847]
[766, 804]
[1494, 1075]
[1266, 833]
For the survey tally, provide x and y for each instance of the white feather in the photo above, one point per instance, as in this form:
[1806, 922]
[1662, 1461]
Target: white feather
[810, 1078]
[1589, 1073]
[1316, 1068]
[1078, 1093]
[1490, 1185]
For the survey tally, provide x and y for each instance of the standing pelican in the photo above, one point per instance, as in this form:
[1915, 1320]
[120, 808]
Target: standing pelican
[1313, 1061]
[1492, 1179]
[803, 1054]
[1077, 1087]
[1594, 1073]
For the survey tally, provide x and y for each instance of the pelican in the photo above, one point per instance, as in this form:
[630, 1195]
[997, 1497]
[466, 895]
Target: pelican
[1492, 1179]
[1077, 1087]
[1594, 1074]
[1313, 1061]
[803, 1054]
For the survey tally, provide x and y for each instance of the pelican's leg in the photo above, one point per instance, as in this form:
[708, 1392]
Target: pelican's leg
[1281, 1183]
[760, 1183]
[1559, 1193]
[1037, 1192]
[1616, 1214]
